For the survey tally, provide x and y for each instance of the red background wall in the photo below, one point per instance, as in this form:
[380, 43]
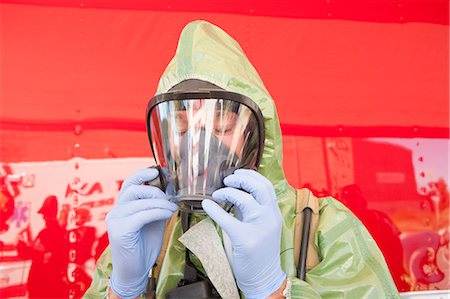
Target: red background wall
[76, 77]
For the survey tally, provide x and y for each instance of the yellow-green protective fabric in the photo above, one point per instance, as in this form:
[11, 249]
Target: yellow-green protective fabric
[351, 264]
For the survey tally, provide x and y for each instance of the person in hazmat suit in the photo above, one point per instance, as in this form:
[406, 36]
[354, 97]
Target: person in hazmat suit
[222, 220]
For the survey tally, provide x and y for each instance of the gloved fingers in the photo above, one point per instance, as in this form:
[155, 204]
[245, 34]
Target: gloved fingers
[254, 174]
[226, 221]
[239, 215]
[139, 220]
[140, 177]
[243, 201]
[258, 186]
[135, 192]
[266, 184]
[136, 206]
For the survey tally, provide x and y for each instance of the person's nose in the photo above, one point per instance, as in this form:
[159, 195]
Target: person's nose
[199, 125]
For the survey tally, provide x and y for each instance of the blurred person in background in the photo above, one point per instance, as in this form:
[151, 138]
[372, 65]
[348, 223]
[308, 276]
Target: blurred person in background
[48, 252]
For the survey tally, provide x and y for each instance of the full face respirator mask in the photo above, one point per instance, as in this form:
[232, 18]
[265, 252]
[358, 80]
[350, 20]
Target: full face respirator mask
[199, 134]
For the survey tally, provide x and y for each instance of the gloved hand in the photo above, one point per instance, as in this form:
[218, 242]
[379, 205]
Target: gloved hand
[256, 233]
[135, 230]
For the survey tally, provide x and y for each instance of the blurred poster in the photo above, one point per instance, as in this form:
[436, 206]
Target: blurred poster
[56, 202]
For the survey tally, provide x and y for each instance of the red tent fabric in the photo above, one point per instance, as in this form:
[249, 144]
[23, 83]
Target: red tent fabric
[339, 68]
[75, 78]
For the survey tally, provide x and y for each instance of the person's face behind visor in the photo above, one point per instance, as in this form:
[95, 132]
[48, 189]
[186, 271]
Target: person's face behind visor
[197, 142]
[217, 118]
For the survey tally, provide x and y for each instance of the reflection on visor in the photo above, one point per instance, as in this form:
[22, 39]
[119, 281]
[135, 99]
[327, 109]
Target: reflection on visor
[199, 141]
[224, 121]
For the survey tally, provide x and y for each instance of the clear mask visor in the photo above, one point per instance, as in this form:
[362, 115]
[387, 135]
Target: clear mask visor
[198, 142]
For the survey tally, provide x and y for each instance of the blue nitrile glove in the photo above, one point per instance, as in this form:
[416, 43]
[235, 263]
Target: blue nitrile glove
[256, 233]
[135, 231]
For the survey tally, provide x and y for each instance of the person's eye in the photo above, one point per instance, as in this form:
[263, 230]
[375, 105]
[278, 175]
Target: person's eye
[181, 124]
[223, 128]
[181, 131]
[225, 123]
[223, 131]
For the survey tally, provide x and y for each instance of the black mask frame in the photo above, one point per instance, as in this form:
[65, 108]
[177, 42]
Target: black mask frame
[212, 94]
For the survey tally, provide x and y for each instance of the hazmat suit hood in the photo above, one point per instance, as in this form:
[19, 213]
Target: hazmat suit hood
[206, 52]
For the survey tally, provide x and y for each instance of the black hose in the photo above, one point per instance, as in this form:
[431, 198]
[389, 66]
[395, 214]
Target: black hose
[301, 271]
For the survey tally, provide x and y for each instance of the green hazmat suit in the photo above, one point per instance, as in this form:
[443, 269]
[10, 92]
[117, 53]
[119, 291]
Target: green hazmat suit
[351, 264]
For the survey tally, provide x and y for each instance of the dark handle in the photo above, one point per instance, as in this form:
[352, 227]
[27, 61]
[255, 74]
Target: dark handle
[304, 244]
